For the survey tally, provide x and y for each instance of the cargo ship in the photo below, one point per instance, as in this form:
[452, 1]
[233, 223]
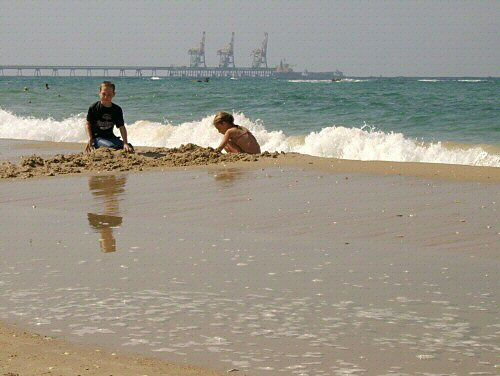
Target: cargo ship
[285, 71]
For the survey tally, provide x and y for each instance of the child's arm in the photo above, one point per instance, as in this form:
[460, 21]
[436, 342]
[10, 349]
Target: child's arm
[90, 143]
[126, 145]
[88, 129]
[224, 141]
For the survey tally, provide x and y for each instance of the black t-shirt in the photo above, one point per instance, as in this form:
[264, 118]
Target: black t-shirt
[102, 119]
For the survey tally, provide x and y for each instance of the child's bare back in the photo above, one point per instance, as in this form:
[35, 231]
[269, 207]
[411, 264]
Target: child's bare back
[237, 139]
[241, 138]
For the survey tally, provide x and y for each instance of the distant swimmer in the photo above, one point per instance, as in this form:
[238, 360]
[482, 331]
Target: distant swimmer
[237, 139]
[207, 79]
[26, 88]
[47, 87]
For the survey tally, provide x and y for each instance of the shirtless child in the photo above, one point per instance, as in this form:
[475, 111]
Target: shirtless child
[237, 139]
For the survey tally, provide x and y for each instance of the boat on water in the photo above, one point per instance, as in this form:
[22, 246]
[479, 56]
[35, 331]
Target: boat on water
[337, 76]
[285, 71]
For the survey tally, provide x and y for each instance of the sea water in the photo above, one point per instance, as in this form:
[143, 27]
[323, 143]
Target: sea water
[273, 271]
[446, 120]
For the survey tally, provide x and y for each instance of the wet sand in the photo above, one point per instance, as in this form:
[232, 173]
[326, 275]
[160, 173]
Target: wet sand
[262, 267]
[27, 354]
[12, 150]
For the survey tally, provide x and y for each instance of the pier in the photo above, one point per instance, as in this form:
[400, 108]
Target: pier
[134, 71]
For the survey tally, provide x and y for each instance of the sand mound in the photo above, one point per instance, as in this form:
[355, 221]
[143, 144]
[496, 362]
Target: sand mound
[105, 159]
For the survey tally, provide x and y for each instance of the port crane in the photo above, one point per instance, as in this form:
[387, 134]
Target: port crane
[260, 55]
[226, 55]
[197, 55]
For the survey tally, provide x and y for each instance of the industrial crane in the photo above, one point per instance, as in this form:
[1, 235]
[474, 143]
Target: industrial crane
[260, 55]
[226, 55]
[197, 55]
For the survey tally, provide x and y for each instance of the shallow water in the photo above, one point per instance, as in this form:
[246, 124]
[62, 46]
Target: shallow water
[276, 271]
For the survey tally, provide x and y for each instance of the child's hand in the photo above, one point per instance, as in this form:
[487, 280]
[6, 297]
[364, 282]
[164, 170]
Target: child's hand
[90, 146]
[128, 148]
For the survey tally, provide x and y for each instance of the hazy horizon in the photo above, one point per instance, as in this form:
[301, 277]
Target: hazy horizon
[388, 38]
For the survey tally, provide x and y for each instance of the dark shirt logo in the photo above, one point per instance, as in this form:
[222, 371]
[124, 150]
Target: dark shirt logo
[106, 122]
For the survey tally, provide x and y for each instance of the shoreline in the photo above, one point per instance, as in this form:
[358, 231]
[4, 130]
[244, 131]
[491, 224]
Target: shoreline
[28, 353]
[45, 161]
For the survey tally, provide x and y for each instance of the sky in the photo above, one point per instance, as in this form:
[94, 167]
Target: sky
[361, 38]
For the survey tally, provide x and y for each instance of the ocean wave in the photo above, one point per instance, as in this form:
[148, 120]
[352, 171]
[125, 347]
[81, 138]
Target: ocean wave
[310, 81]
[352, 80]
[363, 143]
[329, 81]
[450, 80]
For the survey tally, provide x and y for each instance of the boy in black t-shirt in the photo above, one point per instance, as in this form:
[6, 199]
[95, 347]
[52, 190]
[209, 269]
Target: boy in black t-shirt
[101, 118]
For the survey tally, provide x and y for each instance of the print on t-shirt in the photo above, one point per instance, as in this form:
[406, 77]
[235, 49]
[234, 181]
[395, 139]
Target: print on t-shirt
[106, 122]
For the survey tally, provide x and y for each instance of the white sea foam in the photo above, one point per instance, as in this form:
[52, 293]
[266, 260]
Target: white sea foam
[30, 128]
[362, 143]
[311, 81]
[352, 80]
[329, 81]
[436, 80]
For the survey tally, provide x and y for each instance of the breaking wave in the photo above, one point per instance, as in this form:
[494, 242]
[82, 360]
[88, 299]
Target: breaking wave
[329, 81]
[364, 143]
[449, 80]
[310, 81]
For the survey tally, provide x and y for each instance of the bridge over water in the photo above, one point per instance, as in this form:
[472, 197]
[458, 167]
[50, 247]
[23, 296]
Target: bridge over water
[129, 70]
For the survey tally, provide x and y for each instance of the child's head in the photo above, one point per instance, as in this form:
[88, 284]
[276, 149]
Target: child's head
[107, 92]
[223, 121]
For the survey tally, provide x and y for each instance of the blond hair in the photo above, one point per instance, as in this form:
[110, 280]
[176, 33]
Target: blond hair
[223, 117]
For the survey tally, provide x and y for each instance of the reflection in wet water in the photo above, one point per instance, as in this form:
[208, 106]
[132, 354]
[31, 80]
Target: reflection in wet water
[106, 190]
[228, 176]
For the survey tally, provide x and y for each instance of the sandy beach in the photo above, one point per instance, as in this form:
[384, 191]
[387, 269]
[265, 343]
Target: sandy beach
[27, 159]
[23, 353]
[283, 265]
